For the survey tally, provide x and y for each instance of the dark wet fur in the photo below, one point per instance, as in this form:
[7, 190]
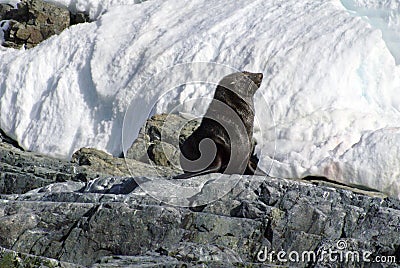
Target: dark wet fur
[236, 91]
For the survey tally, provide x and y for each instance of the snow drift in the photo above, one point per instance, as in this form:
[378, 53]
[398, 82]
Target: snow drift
[332, 79]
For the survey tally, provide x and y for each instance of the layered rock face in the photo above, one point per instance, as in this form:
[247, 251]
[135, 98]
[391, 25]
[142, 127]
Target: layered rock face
[95, 211]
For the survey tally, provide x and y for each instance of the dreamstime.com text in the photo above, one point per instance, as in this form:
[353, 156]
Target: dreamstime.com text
[337, 254]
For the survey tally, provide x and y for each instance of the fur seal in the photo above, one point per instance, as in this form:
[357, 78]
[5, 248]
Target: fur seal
[223, 141]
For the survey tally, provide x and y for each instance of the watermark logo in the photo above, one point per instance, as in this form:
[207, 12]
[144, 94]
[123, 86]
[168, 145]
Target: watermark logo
[187, 90]
[337, 253]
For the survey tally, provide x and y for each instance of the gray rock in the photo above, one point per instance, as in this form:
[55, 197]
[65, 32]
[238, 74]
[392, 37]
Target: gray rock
[103, 211]
[22, 171]
[138, 150]
[151, 259]
[158, 140]
[112, 222]
[35, 20]
[164, 154]
[99, 162]
[4, 9]
[10, 258]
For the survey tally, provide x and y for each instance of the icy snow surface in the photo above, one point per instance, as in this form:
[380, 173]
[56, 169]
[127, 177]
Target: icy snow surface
[331, 79]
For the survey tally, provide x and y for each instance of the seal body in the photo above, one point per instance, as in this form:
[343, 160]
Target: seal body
[223, 141]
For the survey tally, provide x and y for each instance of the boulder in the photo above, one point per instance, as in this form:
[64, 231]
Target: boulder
[34, 21]
[158, 140]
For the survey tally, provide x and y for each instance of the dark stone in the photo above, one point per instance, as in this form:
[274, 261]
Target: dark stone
[6, 139]
[4, 9]
[245, 210]
[79, 17]
[35, 20]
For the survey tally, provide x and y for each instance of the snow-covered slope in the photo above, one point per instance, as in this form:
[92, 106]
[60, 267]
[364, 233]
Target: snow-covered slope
[329, 103]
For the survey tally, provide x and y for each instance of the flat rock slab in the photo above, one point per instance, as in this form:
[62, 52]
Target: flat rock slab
[101, 211]
[88, 223]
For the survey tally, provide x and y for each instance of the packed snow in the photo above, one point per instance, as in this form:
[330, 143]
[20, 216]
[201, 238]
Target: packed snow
[329, 104]
[383, 15]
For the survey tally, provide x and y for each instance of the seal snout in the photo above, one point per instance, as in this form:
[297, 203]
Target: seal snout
[255, 77]
[258, 79]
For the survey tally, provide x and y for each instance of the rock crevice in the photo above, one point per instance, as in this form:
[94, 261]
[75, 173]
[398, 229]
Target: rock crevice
[105, 220]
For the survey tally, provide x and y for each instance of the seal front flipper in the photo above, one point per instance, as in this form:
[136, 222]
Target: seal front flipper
[215, 167]
[194, 174]
[252, 167]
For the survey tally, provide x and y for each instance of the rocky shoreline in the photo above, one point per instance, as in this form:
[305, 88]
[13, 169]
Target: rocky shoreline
[97, 211]
[91, 212]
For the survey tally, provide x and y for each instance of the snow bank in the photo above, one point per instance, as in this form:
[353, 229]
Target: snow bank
[331, 83]
[383, 15]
